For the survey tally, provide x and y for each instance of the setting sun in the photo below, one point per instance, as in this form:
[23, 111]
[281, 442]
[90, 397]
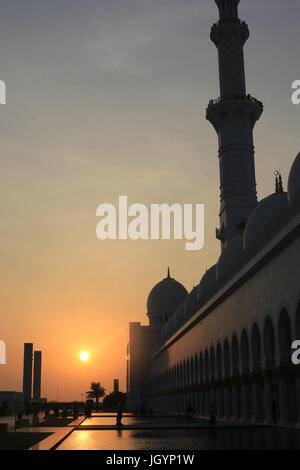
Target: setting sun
[84, 356]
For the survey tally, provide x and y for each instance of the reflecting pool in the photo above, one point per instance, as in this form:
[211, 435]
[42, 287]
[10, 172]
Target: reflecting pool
[140, 421]
[183, 439]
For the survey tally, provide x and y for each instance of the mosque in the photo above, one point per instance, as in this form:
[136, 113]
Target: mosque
[227, 343]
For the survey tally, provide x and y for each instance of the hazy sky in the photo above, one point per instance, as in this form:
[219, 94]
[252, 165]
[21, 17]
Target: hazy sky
[106, 98]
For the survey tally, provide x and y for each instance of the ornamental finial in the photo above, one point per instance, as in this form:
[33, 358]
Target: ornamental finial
[278, 182]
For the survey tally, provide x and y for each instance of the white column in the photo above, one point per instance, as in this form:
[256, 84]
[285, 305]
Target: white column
[195, 404]
[268, 400]
[235, 403]
[256, 395]
[201, 403]
[220, 402]
[227, 403]
[207, 403]
[245, 395]
[283, 402]
[213, 399]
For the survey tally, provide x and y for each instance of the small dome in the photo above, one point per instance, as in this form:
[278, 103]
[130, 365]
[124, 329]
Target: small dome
[166, 296]
[191, 304]
[230, 259]
[207, 285]
[294, 184]
[265, 219]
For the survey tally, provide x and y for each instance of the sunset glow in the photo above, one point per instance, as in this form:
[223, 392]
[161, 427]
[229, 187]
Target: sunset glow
[84, 356]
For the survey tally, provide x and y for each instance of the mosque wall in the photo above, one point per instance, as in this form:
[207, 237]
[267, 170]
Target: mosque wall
[239, 352]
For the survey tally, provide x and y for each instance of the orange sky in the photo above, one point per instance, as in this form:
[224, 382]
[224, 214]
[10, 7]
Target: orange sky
[114, 104]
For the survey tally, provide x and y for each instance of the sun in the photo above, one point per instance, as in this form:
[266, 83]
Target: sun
[84, 356]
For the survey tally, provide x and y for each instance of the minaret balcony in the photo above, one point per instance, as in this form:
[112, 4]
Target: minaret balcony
[229, 26]
[242, 101]
[224, 99]
[228, 21]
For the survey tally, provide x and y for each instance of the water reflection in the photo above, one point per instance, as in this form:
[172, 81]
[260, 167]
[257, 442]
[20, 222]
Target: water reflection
[138, 421]
[187, 439]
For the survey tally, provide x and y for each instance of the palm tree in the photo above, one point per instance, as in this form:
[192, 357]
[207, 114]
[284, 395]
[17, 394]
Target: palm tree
[96, 391]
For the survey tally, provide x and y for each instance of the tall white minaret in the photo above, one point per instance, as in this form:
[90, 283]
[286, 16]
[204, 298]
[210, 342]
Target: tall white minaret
[233, 116]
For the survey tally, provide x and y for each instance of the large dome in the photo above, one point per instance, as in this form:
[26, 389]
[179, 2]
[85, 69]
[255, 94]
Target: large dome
[191, 304]
[230, 259]
[166, 296]
[265, 219]
[294, 183]
[207, 286]
[179, 314]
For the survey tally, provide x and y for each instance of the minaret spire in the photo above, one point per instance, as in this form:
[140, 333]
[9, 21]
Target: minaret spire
[233, 116]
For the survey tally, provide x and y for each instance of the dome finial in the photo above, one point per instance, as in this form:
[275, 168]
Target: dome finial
[168, 276]
[278, 182]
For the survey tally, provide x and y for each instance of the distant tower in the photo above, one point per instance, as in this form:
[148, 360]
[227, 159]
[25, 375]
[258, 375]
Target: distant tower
[37, 371]
[233, 116]
[27, 370]
[116, 385]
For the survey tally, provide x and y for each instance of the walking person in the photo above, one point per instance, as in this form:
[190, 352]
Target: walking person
[212, 421]
[119, 417]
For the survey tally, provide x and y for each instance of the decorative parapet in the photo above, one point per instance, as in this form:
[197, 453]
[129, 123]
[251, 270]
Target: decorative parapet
[228, 21]
[223, 99]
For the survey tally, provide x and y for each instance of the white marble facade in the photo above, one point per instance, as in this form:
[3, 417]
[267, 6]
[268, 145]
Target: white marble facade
[227, 344]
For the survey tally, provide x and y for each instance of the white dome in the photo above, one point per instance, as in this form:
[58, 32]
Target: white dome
[265, 219]
[166, 296]
[294, 184]
[230, 259]
[207, 285]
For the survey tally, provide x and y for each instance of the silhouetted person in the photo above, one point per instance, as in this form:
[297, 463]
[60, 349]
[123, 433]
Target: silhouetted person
[274, 411]
[151, 412]
[119, 417]
[212, 421]
[47, 412]
[188, 410]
